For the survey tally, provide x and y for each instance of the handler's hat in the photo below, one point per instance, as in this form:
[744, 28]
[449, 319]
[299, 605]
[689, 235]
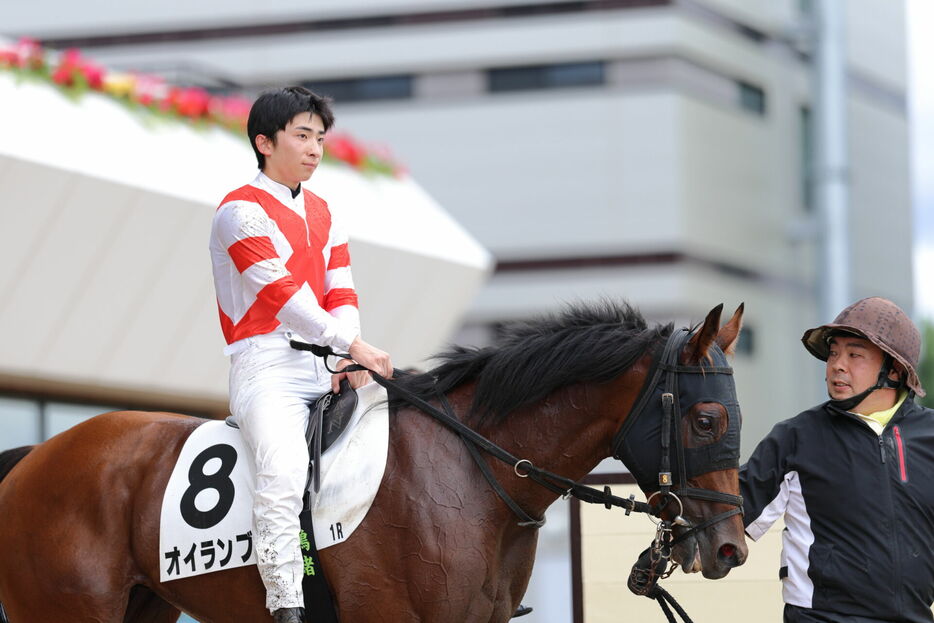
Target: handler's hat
[881, 322]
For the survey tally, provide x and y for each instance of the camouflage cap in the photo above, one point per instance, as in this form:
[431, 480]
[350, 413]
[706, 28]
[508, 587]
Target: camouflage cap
[881, 322]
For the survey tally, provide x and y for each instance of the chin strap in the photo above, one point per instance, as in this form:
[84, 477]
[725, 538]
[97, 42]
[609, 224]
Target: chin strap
[882, 382]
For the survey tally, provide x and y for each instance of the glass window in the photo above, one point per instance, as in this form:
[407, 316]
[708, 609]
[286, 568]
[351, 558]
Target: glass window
[61, 416]
[807, 159]
[746, 345]
[19, 422]
[575, 74]
[364, 89]
[751, 97]
[515, 79]
[589, 73]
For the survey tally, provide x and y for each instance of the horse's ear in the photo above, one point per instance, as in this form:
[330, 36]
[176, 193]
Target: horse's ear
[703, 338]
[729, 334]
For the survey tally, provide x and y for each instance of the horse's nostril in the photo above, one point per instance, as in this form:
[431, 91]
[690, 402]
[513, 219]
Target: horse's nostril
[727, 554]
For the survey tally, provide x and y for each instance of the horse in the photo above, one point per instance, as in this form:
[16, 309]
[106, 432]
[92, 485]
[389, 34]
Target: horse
[79, 513]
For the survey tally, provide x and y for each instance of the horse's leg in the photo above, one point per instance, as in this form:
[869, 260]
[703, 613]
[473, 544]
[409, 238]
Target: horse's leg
[230, 596]
[63, 536]
[75, 509]
[147, 607]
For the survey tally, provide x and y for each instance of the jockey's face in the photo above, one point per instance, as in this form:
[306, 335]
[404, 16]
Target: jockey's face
[853, 365]
[296, 151]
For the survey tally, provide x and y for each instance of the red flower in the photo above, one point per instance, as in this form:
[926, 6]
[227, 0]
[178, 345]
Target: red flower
[230, 111]
[75, 72]
[346, 149]
[25, 54]
[94, 74]
[71, 66]
[9, 58]
[189, 102]
[62, 76]
[30, 53]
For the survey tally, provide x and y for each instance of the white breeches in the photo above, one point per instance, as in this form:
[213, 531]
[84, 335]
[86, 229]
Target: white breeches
[271, 386]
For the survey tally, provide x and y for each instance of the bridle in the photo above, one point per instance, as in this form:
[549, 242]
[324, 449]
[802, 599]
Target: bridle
[664, 383]
[669, 367]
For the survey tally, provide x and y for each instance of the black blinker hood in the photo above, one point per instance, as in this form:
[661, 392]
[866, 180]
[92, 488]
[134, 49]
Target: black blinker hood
[639, 443]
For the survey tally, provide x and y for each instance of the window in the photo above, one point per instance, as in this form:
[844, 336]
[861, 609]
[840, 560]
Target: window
[807, 158]
[60, 416]
[747, 341]
[27, 421]
[19, 423]
[751, 97]
[589, 73]
[364, 89]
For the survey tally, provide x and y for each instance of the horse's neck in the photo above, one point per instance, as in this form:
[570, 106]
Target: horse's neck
[565, 434]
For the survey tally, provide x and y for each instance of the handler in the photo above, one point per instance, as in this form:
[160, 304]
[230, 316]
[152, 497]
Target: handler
[282, 271]
[854, 478]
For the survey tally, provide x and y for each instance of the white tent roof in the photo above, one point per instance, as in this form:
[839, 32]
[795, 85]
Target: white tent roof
[105, 270]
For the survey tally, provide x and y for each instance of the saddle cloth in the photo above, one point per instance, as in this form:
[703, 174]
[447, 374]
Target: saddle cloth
[206, 519]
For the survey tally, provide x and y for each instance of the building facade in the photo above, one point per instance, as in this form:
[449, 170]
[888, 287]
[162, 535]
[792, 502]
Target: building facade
[653, 150]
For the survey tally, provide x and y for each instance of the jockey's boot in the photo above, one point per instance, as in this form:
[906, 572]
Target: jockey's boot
[521, 611]
[289, 615]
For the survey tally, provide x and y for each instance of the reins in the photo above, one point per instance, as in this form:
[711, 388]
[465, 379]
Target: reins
[653, 564]
[523, 468]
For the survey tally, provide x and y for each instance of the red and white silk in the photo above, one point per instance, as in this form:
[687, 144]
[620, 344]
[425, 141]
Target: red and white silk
[282, 263]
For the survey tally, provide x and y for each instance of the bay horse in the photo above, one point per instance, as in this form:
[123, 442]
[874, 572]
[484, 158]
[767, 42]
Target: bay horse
[79, 513]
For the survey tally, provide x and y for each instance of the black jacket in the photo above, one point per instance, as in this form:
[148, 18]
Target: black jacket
[859, 511]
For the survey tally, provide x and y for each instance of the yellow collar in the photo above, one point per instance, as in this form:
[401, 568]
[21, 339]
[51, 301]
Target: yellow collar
[883, 417]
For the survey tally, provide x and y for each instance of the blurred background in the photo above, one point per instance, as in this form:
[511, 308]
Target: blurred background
[673, 153]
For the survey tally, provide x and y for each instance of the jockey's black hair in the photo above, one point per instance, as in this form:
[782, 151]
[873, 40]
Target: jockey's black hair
[273, 110]
[585, 343]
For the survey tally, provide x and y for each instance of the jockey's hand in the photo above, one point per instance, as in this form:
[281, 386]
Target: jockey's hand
[357, 379]
[366, 355]
[371, 357]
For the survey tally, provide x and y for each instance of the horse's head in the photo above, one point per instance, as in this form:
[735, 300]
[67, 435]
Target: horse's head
[681, 442]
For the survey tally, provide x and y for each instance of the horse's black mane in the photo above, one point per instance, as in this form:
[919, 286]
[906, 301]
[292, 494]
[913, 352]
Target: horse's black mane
[584, 343]
[9, 459]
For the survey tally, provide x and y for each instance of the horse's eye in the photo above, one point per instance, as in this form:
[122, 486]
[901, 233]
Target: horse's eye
[704, 424]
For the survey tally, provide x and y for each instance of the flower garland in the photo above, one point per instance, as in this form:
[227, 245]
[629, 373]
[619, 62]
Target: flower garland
[75, 75]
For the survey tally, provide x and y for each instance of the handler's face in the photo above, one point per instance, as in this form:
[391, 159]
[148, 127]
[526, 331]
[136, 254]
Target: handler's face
[852, 366]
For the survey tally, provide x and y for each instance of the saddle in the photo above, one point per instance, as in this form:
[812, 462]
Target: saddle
[328, 419]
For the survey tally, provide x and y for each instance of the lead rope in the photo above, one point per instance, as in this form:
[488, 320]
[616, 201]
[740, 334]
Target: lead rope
[651, 567]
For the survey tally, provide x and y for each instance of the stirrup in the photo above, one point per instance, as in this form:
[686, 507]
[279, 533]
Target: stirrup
[521, 611]
[289, 615]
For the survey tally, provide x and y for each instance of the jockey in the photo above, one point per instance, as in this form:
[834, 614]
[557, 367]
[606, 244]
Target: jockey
[282, 271]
